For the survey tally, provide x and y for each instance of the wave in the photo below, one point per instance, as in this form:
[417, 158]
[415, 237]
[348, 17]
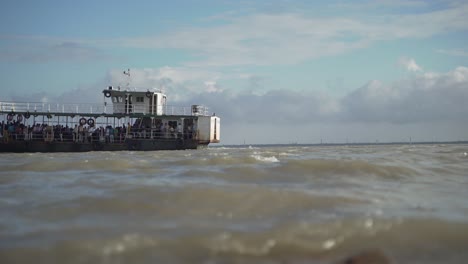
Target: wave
[84, 163]
[344, 167]
[197, 201]
[404, 241]
[271, 159]
[288, 161]
[240, 205]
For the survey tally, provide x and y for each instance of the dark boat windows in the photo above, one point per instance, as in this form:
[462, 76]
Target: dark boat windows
[117, 99]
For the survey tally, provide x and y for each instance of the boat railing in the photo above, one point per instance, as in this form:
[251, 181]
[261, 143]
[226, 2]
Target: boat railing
[88, 108]
[60, 133]
[52, 107]
[200, 110]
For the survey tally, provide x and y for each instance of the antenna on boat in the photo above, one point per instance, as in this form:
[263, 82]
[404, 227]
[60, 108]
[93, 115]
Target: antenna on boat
[127, 72]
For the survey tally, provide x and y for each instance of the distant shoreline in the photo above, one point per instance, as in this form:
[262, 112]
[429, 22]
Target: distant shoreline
[346, 144]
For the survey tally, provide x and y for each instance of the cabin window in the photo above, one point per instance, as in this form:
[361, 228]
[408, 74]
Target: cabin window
[120, 99]
[114, 99]
[139, 99]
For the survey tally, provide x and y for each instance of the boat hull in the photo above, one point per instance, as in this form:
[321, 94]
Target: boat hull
[129, 144]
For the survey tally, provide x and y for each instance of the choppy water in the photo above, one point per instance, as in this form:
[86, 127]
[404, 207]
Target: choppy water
[287, 204]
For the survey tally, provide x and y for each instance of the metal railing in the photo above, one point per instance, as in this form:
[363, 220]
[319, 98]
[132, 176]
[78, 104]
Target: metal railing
[102, 109]
[52, 107]
[118, 135]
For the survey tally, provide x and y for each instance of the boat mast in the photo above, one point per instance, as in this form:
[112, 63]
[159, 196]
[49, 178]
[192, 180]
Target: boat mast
[127, 73]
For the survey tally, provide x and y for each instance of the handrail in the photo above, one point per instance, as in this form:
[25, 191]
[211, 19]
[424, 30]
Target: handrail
[89, 108]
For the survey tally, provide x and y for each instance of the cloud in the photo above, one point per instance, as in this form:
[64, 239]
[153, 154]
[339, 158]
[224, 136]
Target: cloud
[181, 82]
[289, 38]
[382, 3]
[260, 39]
[212, 87]
[36, 97]
[454, 52]
[255, 84]
[409, 64]
[433, 101]
[423, 97]
[428, 97]
[43, 50]
[84, 94]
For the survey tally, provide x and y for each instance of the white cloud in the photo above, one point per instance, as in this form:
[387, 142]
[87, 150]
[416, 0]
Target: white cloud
[43, 50]
[382, 3]
[423, 98]
[212, 87]
[259, 38]
[181, 82]
[420, 98]
[409, 64]
[428, 100]
[454, 52]
[429, 97]
[288, 38]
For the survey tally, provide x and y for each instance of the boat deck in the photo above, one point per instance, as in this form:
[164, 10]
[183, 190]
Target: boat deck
[93, 110]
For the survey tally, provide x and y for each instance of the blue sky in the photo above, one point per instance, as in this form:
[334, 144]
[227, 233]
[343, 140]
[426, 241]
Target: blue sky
[340, 70]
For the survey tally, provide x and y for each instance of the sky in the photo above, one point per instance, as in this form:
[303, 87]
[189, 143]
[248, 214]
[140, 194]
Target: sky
[284, 71]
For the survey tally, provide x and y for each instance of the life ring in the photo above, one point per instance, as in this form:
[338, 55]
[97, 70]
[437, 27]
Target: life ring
[10, 117]
[107, 94]
[27, 115]
[82, 121]
[91, 122]
[148, 94]
[19, 118]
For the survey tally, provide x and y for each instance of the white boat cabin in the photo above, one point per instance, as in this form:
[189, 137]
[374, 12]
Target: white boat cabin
[206, 126]
[136, 102]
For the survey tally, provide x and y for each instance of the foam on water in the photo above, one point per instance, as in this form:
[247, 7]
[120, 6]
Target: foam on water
[271, 159]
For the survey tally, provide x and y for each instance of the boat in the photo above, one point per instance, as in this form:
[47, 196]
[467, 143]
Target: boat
[128, 119]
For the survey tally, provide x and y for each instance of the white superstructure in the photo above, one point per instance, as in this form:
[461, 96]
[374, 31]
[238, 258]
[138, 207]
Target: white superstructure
[153, 106]
[136, 102]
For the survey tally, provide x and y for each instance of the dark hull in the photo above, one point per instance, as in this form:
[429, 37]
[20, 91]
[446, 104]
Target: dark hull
[129, 144]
